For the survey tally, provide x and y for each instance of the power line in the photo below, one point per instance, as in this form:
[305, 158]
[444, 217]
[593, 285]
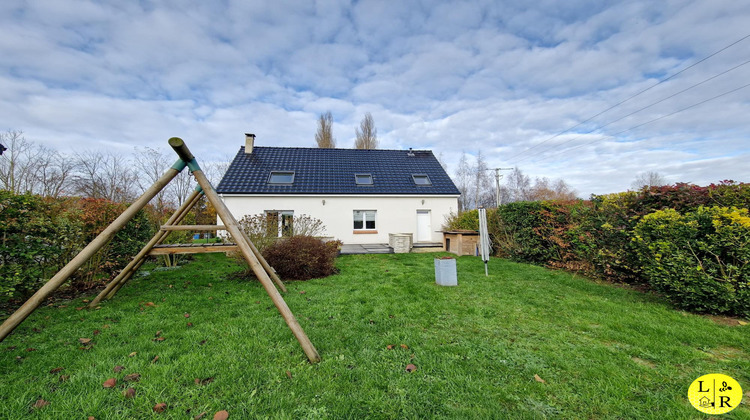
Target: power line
[655, 119]
[633, 96]
[638, 110]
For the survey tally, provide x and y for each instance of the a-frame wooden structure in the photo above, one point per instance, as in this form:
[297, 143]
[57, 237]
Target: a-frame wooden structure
[263, 271]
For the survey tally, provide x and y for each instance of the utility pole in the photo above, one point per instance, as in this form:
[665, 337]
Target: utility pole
[497, 182]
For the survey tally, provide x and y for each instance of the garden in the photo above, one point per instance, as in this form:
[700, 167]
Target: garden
[526, 342]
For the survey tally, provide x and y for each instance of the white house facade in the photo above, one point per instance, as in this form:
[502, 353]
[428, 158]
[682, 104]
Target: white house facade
[361, 196]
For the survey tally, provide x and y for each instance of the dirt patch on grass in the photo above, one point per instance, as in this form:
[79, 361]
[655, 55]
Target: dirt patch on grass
[727, 320]
[727, 353]
[643, 362]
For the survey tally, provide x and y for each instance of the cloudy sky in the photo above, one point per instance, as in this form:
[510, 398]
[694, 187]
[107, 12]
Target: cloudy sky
[506, 77]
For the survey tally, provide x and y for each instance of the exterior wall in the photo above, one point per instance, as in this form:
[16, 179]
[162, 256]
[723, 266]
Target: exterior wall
[395, 214]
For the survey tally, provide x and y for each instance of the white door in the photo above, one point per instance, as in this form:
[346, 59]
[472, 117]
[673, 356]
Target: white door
[424, 226]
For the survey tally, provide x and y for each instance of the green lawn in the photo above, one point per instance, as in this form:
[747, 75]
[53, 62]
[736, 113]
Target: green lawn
[603, 351]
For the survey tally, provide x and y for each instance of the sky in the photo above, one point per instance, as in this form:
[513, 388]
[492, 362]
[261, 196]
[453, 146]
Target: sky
[519, 81]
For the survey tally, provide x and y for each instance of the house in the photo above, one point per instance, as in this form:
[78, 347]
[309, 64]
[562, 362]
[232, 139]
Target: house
[361, 196]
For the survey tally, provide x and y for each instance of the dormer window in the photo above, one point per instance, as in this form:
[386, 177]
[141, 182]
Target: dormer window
[281, 177]
[421, 179]
[363, 179]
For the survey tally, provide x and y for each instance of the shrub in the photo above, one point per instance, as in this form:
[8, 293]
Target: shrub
[38, 236]
[303, 257]
[699, 260]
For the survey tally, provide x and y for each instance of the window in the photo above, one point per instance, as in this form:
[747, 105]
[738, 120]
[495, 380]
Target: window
[363, 179]
[364, 219]
[281, 177]
[279, 223]
[421, 179]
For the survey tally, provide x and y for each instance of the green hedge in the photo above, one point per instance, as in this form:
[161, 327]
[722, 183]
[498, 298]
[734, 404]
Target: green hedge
[596, 237]
[39, 236]
[699, 260]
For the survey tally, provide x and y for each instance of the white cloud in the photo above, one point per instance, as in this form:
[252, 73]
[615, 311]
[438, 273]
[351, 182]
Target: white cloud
[450, 76]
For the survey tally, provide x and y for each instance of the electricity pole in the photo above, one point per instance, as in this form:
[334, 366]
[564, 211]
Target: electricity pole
[497, 182]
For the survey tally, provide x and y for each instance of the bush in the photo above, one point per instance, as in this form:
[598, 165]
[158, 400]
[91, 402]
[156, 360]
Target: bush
[303, 257]
[699, 260]
[39, 236]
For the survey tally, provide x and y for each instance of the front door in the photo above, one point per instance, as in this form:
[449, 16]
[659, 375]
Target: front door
[424, 226]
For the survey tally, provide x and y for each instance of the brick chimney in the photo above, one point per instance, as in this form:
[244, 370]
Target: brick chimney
[249, 143]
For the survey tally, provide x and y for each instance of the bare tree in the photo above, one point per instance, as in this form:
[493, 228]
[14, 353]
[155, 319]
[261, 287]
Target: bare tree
[367, 134]
[104, 175]
[462, 178]
[151, 165]
[18, 171]
[544, 189]
[518, 185]
[483, 195]
[648, 179]
[181, 187]
[53, 173]
[324, 135]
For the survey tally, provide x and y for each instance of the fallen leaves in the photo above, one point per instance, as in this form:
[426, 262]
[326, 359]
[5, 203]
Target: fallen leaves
[199, 416]
[133, 377]
[30, 349]
[133, 354]
[118, 369]
[289, 374]
[159, 408]
[151, 304]
[40, 403]
[221, 415]
[57, 369]
[203, 381]
[539, 379]
[155, 359]
[741, 322]
[110, 383]
[187, 315]
[410, 368]
[129, 393]
[404, 346]
[64, 378]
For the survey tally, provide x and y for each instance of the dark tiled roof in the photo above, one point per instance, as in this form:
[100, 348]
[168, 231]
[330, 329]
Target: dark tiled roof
[331, 171]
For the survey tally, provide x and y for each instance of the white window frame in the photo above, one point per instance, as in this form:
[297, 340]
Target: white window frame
[367, 215]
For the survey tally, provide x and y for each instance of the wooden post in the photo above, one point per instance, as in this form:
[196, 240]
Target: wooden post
[266, 266]
[133, 266]
[226, 216]
[34, 301]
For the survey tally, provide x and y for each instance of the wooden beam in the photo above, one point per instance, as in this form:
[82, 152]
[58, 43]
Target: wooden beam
[193, 227]
[181, 249]
[34, 301]
[233, 227]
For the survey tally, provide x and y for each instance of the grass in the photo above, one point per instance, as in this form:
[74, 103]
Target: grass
[603, 351]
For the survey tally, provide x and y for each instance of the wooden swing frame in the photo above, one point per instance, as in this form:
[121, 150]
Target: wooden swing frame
[262, 270]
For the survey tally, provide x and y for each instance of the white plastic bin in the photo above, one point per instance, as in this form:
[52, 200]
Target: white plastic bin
[445, 272]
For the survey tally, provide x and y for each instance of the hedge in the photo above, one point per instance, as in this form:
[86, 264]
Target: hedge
[596, 237]
[39, 236]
